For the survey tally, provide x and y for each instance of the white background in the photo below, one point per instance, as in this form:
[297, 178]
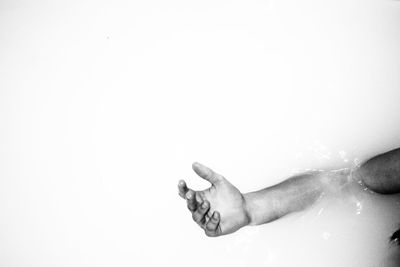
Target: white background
[104, 105]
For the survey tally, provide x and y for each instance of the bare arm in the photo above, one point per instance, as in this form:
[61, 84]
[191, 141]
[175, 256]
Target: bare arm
[294, 194]
[227, 209]
[380, 174]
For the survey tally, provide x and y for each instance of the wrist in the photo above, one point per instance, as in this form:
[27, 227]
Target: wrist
[248, 209]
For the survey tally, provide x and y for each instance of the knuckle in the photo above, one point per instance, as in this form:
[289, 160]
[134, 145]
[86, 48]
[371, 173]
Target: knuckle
[203, 208]
[210, 227]
[190, 207]
[209, 233]
[195, 216]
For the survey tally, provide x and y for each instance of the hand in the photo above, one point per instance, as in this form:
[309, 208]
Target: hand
[220, 209]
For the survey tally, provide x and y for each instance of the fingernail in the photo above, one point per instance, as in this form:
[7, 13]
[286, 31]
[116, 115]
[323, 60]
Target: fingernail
[188, 196]
[204, 205]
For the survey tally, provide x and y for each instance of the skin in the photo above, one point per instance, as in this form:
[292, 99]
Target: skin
[222, 209]
[225, 199]
[381, 173]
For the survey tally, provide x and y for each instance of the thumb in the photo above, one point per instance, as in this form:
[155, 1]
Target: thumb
[206, 173]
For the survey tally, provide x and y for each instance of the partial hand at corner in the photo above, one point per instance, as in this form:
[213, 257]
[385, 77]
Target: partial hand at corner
[220, 209]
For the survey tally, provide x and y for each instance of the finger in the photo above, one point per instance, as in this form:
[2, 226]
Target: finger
[183, 189]
[199, 215]
[212, 225]
[206, 173]
[191, 200]
[198, 198]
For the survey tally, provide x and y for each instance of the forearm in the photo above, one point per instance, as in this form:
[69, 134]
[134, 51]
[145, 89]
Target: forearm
[381, 173]
[293, 194]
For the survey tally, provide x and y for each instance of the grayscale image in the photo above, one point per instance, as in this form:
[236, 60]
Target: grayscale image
[261, 133]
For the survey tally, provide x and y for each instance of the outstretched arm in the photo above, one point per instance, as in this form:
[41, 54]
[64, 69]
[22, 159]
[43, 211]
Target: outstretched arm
[223, 209]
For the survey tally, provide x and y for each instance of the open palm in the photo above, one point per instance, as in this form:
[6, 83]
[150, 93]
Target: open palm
[220, 209]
